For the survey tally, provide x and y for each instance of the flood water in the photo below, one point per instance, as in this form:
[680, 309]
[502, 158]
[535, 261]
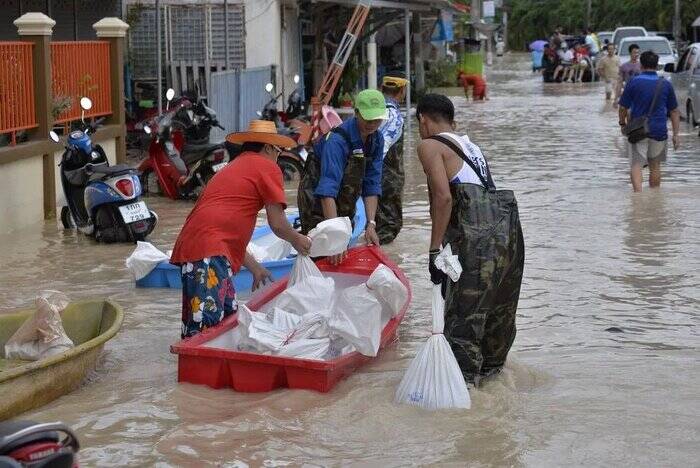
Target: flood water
[603, 372]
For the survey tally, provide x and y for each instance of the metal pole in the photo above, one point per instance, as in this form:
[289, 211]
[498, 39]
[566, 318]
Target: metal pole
[159, 70]
[407, 45]
[588, 14]
[75, 20]
[372, 61]
[228, 62]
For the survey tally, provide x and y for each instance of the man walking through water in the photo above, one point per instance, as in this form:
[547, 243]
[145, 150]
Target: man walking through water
[389, 212]
[627, 71]
[482, 227]
[651, 96]
[608, 68]
[346, 164]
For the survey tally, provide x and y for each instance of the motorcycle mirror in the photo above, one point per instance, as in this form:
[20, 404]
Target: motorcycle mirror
[259, 113]
[296, 79]
[147, 129]
[269, 87]
[54, 136]
[85, 103]
[170, 94]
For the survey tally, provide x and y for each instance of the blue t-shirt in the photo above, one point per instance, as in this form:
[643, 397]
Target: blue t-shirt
[334, 153]
[638, 95]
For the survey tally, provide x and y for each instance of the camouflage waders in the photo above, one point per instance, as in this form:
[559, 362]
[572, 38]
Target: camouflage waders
[485, 232]
[389, 210]
[310, 211]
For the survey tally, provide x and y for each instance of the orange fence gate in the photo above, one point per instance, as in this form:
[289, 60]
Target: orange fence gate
[78, 69]
[16, 88]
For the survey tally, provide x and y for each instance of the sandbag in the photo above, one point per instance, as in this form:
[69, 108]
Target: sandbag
[330, 237]
[388, 289]
[434, 380]
[303, 267]
[311, 325]
[312, 294]
[357, 317]
[283, 320]
[269, 248]
[144, 259]
[257, 333]
[306, 348]
[42, 335]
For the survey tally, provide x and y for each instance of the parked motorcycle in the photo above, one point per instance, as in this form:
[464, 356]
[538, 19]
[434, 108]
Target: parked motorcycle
[180, 158]
[103, 200]
[293, 161]
[28, 444]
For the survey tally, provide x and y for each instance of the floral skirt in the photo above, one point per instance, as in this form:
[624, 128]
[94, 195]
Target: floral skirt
[208, 295]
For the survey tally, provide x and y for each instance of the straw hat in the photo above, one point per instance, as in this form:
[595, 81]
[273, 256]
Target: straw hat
[261, 131]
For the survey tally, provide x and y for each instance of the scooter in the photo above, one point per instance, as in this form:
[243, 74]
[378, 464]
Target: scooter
[28, 444]
[177, 169]
[103, 200]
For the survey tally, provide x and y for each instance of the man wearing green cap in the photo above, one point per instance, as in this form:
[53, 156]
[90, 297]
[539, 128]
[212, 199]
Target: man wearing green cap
[346, 164]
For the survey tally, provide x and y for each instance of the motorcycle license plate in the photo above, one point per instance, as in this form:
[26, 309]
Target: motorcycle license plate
[218, 167]
[135, 212]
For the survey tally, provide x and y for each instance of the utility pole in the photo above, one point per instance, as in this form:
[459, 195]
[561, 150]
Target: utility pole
[588, 14]
[677, 25]
[159, 69]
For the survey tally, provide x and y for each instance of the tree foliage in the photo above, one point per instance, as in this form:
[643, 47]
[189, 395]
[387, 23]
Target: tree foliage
[536, 19]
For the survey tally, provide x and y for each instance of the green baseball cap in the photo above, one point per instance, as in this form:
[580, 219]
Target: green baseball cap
[371, 105]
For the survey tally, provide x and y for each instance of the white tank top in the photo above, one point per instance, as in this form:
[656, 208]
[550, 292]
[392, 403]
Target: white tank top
[466, 174]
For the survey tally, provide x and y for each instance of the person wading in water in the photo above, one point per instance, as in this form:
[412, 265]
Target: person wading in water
[482, 227]
[390, 212]
[346, 164]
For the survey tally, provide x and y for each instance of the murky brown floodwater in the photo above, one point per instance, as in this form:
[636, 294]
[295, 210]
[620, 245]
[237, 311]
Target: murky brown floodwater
[604, 370]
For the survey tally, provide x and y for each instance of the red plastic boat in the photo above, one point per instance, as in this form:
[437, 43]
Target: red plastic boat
[248, 372]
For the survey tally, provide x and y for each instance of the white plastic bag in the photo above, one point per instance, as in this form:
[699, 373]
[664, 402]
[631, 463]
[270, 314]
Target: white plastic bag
[312, 294]
[449, 263]
[283, 320]
[303, 267]
[257, 333]
[42, 335]
[269, 248]
[433, 379]
[390, 291]
[311, 325]
[144, 259]
[330, 237]
[357, 317]
[306, 348]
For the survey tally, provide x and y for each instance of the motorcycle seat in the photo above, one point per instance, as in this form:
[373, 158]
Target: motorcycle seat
[191, 153]
[104, 170]
[8, 428]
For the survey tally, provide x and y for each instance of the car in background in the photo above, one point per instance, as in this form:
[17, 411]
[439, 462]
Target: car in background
[657, 44]
[685, 77]
[627, 31]
[603, 36]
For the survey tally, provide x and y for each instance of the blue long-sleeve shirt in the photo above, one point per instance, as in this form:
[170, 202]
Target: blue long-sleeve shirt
[334, 153]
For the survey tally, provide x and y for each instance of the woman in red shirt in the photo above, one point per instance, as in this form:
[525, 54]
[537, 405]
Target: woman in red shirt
[212, 244]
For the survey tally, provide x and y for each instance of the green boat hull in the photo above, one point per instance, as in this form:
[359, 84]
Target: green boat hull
[25, 385]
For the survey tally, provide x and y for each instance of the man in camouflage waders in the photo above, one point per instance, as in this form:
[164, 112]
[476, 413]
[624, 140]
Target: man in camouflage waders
[346, 164]
[482, 226]
[389, 212]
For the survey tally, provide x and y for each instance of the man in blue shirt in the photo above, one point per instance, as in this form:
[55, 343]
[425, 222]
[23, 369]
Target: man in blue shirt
[346, 164]
[636, 102]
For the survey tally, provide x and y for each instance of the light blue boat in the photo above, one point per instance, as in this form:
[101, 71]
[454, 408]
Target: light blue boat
[166, 275]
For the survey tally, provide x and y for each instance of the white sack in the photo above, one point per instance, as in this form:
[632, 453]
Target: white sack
[144, 259]
[449, 263]
[257, 333]
[386, 287]
[433, 379]
[357, 317]
[306, 349]
[283, 320]
[312, 325]
[330, 237]
[312, 294]
[42, 335]
[269, 248]
[303, 268]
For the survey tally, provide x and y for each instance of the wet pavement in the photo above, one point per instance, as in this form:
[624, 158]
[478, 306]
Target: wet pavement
[604, 369]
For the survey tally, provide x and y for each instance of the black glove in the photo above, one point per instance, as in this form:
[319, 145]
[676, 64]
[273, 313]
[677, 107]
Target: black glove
[437, 276]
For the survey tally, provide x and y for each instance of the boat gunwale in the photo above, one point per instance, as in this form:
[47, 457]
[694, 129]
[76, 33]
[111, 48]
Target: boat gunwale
[99, 340]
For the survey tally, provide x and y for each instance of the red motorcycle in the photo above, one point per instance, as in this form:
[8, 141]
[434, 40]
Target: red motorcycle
[179, 169]
[28, 444]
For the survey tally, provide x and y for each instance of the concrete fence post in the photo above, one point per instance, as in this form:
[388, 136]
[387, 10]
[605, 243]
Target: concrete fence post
[113, 30]
[38, 29]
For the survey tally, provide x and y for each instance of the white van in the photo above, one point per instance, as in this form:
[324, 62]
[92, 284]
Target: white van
[627, 31]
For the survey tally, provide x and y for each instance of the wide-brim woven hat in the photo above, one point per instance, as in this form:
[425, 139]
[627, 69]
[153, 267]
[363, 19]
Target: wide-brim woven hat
[261, 131]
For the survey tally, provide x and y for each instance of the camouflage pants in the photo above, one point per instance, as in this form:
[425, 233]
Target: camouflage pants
[480, 308]
[389, 210]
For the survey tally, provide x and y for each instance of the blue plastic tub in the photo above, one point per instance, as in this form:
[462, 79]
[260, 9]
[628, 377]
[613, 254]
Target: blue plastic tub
[166, 275]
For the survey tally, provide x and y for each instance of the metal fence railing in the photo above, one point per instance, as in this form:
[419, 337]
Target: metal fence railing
[78, 69]
[17, 110]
